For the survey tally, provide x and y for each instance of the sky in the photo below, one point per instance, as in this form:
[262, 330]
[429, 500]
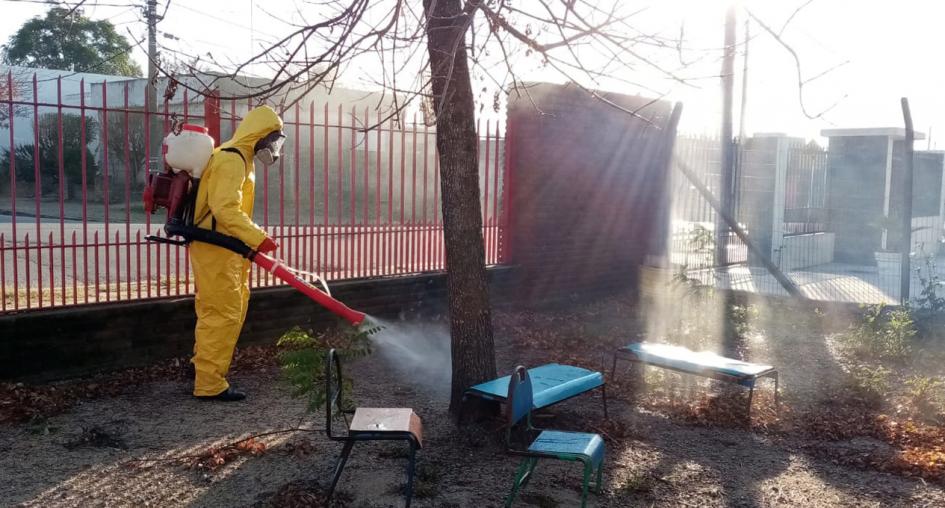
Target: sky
[879, 51]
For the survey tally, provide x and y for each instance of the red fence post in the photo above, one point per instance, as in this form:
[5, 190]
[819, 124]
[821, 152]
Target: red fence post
[13, 236]
[211, 113]
[37, 195]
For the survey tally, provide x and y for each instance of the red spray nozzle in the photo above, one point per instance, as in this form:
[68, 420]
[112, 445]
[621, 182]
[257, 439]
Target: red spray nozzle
[276, 268]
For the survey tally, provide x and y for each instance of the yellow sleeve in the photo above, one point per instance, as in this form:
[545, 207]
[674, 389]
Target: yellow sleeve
[224, 196]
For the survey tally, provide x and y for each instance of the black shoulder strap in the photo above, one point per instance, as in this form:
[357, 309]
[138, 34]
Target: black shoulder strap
[213, 220]
[236, 151]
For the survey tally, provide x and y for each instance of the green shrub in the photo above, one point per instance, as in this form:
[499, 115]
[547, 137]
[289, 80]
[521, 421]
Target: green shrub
[926, 393]
[302, 358]
[870, 383]
[900, 330]
[881, 334]
[930, 282]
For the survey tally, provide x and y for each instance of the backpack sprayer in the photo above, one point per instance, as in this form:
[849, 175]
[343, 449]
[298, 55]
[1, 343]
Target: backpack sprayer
[187, 151]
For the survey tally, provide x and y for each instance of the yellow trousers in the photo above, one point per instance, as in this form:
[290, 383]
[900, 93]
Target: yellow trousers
[222, 279]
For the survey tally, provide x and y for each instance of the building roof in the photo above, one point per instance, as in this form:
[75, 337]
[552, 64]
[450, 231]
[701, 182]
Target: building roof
[896, 133]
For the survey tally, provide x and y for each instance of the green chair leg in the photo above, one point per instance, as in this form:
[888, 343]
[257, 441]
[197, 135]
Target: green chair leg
[600, 477]
[531, 467]
[520, 474]
[588, 468]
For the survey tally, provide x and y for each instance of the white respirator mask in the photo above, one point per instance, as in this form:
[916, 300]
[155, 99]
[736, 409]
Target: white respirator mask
[270, 148]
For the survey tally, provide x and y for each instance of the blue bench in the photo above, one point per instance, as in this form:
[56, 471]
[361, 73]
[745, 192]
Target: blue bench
[551, 383]
[701, 363]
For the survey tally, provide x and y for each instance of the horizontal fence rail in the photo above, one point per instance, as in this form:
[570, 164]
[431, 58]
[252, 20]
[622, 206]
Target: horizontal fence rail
[344, 201]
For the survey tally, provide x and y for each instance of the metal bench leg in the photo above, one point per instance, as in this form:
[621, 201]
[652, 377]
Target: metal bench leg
[340, 465]
[777, 395]
[751, 395]
[411, 469]
[613, 369]
[603, 395]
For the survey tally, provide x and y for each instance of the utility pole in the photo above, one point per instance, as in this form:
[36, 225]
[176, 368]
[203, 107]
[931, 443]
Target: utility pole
[727, 182]
[154, 130]
[741, 113]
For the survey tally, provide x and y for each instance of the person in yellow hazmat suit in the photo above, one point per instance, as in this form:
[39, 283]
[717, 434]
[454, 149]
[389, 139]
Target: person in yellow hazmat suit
[225, 204]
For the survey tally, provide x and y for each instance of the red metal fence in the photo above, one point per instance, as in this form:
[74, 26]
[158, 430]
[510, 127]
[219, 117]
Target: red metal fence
[343, 202]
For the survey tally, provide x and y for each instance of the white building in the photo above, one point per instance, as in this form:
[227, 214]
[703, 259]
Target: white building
[52, 87]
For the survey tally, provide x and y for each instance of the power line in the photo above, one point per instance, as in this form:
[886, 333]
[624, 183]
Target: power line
[120, 13]
[71, 5]
[223, 20]
[130, 21]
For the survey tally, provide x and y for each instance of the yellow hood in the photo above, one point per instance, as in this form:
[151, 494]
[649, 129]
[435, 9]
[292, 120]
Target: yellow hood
[256, 125]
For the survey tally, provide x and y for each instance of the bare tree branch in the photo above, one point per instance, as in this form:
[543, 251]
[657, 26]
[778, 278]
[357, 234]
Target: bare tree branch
[797, 65]
[793, 15]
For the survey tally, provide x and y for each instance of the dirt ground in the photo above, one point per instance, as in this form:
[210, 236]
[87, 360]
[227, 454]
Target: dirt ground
[122, 450]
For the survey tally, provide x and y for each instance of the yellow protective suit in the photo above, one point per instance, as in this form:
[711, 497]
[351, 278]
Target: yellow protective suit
[226, 193]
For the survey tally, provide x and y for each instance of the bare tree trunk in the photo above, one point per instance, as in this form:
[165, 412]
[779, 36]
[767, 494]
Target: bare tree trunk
[472, 345]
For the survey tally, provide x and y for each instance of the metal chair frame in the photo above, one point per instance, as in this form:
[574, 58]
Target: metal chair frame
[333, 399]
[527, 467]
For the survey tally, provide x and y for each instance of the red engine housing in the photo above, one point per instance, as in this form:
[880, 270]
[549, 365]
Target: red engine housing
[167, 190]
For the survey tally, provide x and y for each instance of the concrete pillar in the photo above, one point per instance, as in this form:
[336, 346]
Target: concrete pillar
[779, 198]
[865, 166]
[763, 174]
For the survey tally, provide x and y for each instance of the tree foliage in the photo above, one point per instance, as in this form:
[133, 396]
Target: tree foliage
[72, 149]
[127, 142]
[12, 88]
[68, 40]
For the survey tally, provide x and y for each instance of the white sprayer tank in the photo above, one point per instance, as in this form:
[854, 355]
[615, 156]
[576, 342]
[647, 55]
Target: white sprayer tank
[189, 150]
